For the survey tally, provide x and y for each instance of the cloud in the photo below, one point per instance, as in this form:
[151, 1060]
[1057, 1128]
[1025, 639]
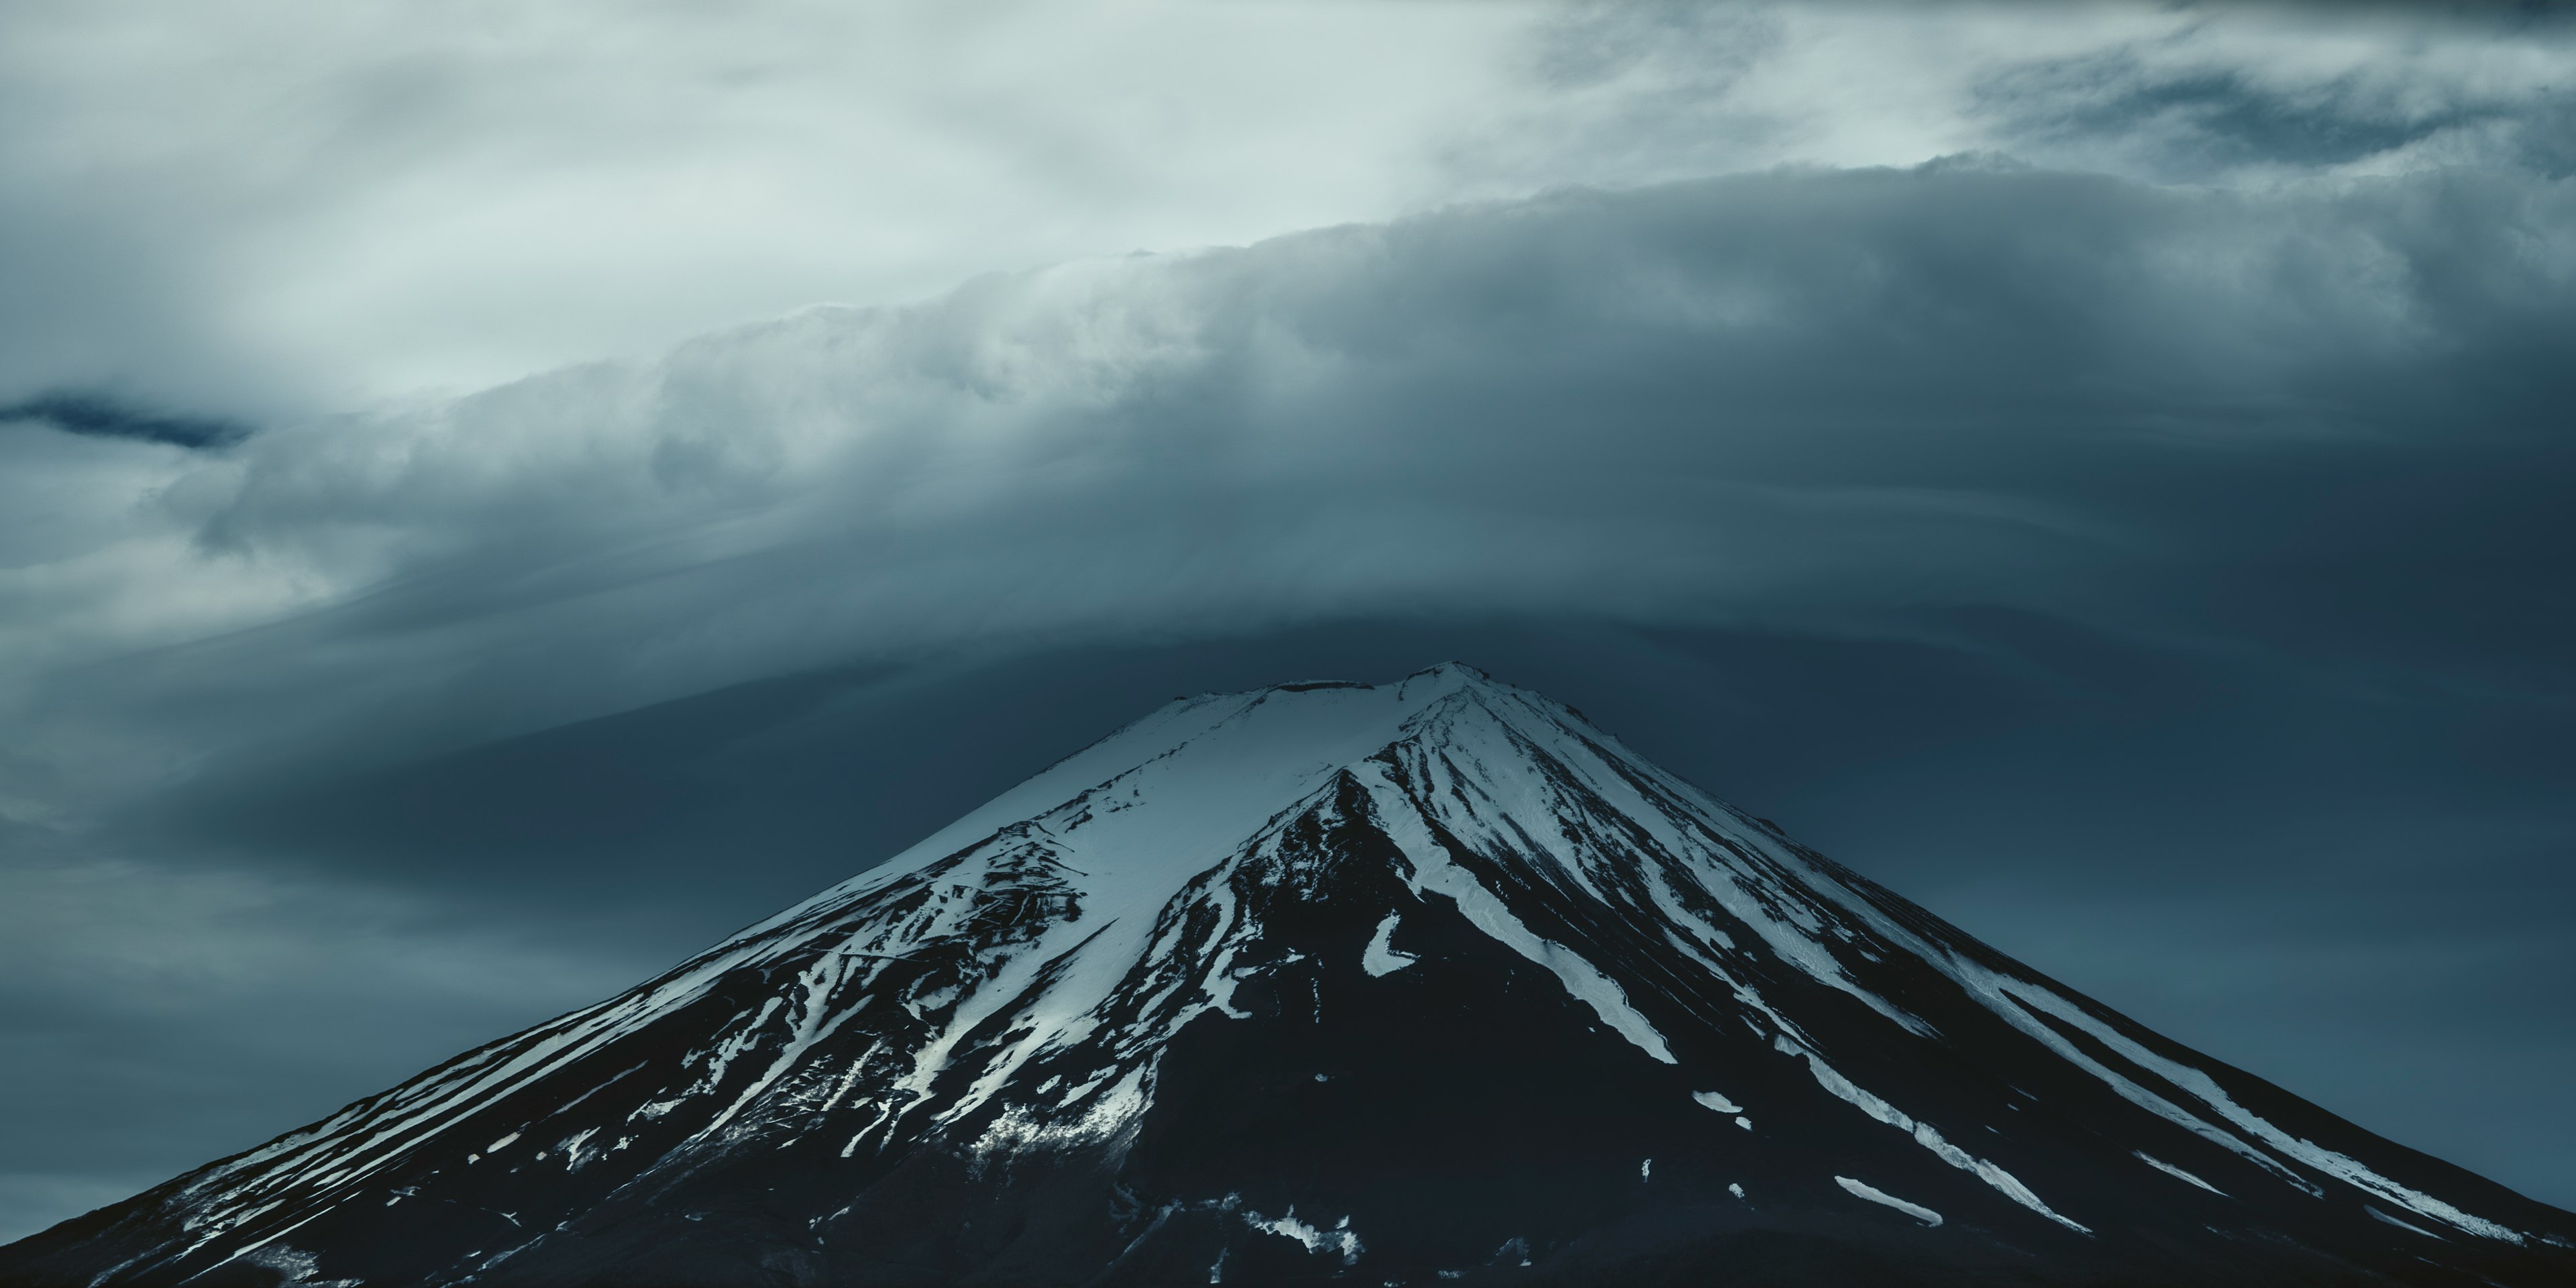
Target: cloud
[1815, 398]
[2216, 100]
[2225, 92]
[100, 416]
[274, 208]
[366, 199]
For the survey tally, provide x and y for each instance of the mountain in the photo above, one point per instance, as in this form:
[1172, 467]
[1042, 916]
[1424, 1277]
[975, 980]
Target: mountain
[1402, 984]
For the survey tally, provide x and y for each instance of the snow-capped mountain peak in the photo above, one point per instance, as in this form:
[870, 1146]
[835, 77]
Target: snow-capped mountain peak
[1398, 982]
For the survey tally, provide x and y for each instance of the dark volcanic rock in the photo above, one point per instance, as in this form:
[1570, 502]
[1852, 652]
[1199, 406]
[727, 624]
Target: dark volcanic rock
[1417, 983]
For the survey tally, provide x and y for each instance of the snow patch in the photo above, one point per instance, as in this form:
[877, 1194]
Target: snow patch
[295, 1266]
[2206, 1089]
[1916, 1210]
[1017, 1131]
[1381, 958]
[576, 1149]
[1924, 1135]
[1712, 1100]
[1338, 1239]
[1433, 871]
[2374, 1211]
[291, 1264]
[2176, 1172]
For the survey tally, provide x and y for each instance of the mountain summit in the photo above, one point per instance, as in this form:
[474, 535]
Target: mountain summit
[1392, 984]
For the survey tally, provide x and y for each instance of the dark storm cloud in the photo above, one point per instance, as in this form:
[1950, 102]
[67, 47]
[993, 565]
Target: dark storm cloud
[1816, 398]
[102, 416]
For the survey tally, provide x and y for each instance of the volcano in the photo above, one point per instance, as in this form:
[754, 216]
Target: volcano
[1411, 983]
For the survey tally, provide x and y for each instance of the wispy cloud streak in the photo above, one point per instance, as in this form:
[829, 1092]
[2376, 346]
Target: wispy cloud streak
[100, 416]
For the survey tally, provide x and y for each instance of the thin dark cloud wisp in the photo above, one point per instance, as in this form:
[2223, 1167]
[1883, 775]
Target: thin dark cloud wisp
[99, 415]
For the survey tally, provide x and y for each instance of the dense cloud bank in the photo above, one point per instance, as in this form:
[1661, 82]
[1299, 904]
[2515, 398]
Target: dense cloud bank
[1834, 401]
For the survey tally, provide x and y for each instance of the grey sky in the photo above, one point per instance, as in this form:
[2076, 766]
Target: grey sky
[1965, 430]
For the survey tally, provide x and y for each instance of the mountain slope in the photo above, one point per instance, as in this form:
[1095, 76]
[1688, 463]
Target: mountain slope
[1388, 984]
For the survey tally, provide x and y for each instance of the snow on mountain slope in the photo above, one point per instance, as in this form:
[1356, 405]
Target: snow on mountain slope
[1437, 964]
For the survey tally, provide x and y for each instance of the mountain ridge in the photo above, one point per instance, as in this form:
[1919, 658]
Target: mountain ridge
[1808, 1055]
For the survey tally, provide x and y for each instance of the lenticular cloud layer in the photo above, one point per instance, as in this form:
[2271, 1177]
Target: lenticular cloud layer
[1795, 397]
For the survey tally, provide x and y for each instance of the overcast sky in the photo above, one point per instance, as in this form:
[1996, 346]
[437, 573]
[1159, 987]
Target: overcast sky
[492, 498]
